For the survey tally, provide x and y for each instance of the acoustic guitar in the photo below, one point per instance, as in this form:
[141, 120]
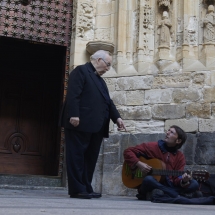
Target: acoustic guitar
[133, 178]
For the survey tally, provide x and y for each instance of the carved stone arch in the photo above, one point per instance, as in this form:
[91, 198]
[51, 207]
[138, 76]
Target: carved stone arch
[208, 2]
[164, 5]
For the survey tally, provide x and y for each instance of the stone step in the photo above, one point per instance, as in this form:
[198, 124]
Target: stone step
[29, 181]
[25, 187]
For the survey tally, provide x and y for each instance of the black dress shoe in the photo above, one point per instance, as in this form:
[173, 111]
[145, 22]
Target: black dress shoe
[82, 195]
[96, 195]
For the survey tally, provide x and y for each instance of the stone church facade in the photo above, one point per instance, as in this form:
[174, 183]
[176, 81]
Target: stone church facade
[163, 73]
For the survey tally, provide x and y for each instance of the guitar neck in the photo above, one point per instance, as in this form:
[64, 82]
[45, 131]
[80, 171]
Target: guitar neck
[165, 172]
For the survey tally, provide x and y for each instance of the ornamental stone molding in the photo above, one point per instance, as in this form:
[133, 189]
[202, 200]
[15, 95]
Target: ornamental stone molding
[94, 46]
[164, 3]
[208, 2]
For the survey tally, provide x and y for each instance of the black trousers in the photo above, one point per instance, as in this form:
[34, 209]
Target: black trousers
[82, 150]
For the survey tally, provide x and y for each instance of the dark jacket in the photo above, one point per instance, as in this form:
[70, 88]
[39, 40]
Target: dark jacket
[85, 100]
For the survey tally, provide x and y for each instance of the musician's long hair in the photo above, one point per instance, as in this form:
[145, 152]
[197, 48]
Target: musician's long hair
[181, 135]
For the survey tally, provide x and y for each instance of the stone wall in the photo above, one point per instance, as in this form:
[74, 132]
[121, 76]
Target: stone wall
[163, 73]
[199, 151]
[156, 79]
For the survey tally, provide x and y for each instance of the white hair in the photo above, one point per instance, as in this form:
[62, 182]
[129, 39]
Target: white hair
[100, 54]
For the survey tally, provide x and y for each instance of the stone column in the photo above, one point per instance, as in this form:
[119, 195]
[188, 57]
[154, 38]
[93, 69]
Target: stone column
[82, 31]
[121, 37]
[179, 20]
[104, 30]
[145, 46]
[191, 41]
[103, 21]
[125, 37]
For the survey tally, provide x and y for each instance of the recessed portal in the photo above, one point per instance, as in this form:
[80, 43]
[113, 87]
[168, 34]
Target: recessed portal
[31, 93]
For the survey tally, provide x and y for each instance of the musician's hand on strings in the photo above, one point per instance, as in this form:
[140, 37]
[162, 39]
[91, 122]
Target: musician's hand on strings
[145, 168]
[186, 177]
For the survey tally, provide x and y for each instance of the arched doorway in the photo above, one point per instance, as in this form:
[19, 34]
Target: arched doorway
[34, 51]
[30, 96]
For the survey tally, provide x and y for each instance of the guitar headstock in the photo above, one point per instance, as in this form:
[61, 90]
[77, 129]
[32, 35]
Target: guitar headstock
[200, 175]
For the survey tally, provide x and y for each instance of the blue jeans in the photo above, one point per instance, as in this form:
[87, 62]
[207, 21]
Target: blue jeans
[150, 183]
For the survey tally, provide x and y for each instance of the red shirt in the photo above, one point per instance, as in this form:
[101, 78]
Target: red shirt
[173, 160]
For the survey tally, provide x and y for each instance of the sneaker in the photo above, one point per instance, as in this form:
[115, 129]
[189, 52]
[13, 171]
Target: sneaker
[150, 195]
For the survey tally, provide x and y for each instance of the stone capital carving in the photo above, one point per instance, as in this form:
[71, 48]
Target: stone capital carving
[94, 46]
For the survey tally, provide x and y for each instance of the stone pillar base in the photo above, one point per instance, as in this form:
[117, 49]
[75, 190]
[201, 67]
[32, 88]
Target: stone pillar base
[208, 56]
[190, 51]
[164, 54]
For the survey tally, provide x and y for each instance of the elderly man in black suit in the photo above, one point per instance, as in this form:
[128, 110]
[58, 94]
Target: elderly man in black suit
[86, 115]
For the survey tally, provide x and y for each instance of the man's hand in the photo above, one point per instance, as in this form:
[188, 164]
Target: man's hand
[120, 125]
[186, 177]
[145, 168]
[74, 121]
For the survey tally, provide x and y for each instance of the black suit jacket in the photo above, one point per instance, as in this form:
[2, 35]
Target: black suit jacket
[85, 100]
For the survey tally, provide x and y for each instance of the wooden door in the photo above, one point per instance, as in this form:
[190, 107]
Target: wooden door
[31, 91]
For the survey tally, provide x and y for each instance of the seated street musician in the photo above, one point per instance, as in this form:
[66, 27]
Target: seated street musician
[167, 151]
